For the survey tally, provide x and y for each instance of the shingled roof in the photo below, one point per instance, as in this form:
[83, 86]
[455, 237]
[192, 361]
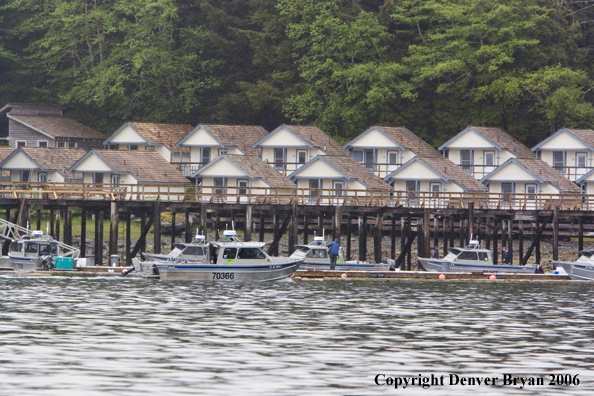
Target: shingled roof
[352, 169]
[451, 172]
[57, 126]
[241, 136]
[166, 134]
[145, 166]
[314, 136]
[50, 158]
[546, 173]
[504, 140]
[5, 151]
[255, 167]
[408, 140]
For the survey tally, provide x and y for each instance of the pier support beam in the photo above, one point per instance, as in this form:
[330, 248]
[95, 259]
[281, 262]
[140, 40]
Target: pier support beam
[99, 237]
[495, 242]
[580, 234]
[393, 236]
[294, 234]
[363, 237]
[83, 233]
[173, 229]
[113, 228]
[157, 227]
[203, 220]
[349, 238]
[305, 230]
[128, 238]
[188, 233]
[556, 233]
[337, 222]
[377, 237]
[247, 234]
[510, 240]
[262, 227]
[67, 226]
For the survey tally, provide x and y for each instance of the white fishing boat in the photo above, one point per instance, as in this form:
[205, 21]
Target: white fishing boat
[315, 256]
[581, 269]
[232, 260]
[195, 251]
[472, 258]
[39, 252]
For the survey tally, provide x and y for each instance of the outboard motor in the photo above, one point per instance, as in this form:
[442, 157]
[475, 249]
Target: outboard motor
[47, 263]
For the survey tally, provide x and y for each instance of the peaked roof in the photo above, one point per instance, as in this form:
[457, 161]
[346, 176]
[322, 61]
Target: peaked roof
[403, 137]
[241, 136]
[499, 138]
[57, 126]
[541, 171]
[145, 166]
[5, 151]
[350, 168]
[449, 172]
[254, 167]
[586, 136]
[312, 136]
[50, 158]
[158, 133]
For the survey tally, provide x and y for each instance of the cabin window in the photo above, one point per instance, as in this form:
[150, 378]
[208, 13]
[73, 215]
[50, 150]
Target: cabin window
[489, 158]
[530, 191]
[250, 253]
[320, 253]
[16, 247]
[435, 188]
[44, 249]
[25, 175]
[301, 156]
[467, 256]
[98, 178]
[411, 185]
[42, 143]
[30, 249]
[466, 160]
[220, 182]
[222, 151]
[483, 256]
[559, 161]
[338, 186]
[230, 253]
[393, 157]
[21, 143]
[242, 184]
[60, 144]
[370, 159]
[507, 188]
[41, 177]
[132, 147]
[314, 185]
[279, 158]
[358, 155]
[205, 155]
[115, 179]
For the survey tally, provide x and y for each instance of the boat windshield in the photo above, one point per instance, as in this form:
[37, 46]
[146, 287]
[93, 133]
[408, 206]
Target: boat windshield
[318, 253]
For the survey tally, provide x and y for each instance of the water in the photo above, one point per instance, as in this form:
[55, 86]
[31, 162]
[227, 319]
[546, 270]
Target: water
[98, 336]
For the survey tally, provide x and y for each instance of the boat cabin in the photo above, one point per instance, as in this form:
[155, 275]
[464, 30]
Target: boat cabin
[234, 249]
[35, 245]
[471, 254]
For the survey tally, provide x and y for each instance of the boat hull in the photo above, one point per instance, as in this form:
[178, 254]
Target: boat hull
[27, 264]
[271, 271]
[447, 266]
[577, 270]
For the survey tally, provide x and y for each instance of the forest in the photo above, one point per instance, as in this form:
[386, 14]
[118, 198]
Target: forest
[434, 66]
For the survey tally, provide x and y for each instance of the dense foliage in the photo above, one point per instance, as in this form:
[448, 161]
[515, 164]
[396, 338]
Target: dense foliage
[434, 66]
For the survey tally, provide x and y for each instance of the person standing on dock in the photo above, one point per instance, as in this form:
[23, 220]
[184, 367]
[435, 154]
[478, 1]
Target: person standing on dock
[505, 256]
[436, 253]
[333, 248]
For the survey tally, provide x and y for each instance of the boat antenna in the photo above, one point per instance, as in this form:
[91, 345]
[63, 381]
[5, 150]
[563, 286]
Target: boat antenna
[47, 227]
[27, 226]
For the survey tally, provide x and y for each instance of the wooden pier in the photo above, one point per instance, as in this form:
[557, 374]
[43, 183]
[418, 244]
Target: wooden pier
[422, 221]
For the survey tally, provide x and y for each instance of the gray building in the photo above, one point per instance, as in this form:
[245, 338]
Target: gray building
[44, 125]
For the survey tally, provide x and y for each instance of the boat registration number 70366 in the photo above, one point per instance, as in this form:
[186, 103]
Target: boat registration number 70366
[223, 275]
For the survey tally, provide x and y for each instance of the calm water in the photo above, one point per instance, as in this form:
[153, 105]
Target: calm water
[137, 337]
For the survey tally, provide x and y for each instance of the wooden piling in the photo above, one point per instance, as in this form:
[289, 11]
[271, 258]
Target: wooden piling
[157, 227]
[128, 238]
[173, 215]
[348, 231]
[83, 233]
[556, 233]
[377, 237]
[248, 223]
[113, 229]
[363, 237]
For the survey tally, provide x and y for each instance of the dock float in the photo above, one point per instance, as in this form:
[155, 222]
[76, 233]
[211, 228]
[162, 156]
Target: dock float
[313, 274]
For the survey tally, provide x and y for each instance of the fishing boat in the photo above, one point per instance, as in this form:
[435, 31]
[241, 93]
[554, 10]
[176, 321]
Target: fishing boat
[472, 258]
[581, 269]
[39, 252]
[231, 260]
[195, 251]
[315, 255]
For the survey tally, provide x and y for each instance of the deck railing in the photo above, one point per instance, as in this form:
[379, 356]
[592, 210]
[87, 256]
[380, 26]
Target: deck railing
[303, 196]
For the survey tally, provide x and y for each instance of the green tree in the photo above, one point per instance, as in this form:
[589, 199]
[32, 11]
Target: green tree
[502, 63]
[341, 55]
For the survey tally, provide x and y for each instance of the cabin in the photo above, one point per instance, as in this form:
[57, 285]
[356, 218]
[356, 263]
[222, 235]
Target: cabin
[138, 174]
[207, 141]
[152, 136]
[340, 177]
[41, 165]
[516, 182]
[569, 151]
[44, 125]
[479, 150]
[383, 149]
[240, 179]
[5, 152]
[289, 147]
[431, 182]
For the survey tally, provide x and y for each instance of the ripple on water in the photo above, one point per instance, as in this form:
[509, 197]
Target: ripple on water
[139, 337]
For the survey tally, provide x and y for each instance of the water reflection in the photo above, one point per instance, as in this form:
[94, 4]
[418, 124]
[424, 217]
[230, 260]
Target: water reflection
[130, 337]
